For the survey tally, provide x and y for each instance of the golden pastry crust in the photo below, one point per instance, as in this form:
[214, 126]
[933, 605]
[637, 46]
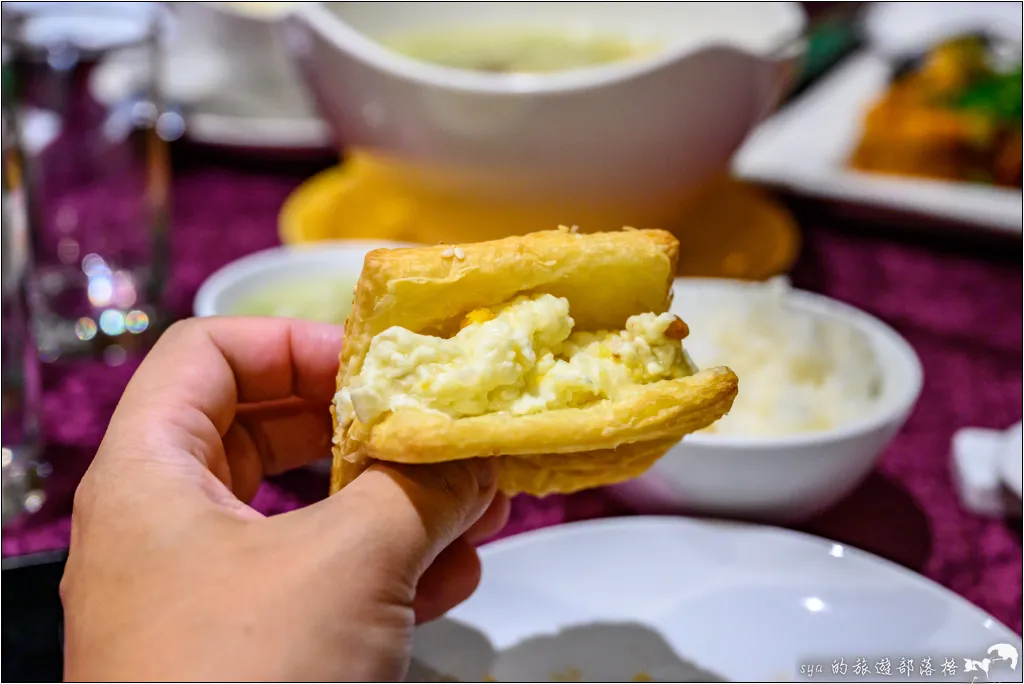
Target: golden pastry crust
[606, 277]
[544, 474]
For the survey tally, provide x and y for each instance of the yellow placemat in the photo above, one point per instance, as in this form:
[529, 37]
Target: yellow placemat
[733, 230]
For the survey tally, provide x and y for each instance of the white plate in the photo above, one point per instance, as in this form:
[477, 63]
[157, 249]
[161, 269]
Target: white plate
[258, 133]
[91, 24]
[806, 145]
[897, 28]
[693, 600]
[215, 114]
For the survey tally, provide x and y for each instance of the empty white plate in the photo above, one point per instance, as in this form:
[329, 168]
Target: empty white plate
[676, 599]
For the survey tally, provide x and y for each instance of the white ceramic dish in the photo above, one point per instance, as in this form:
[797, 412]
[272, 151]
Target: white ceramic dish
[987, 465]
[692, 600]
[899, 28]
[626, 132]
[1012, 460]
[224, 124]
[805, 148]
[781, 478]
[246, 98]
[214, 115]
[224, 290]
[246, 42]
[88, 24]
[264, 103]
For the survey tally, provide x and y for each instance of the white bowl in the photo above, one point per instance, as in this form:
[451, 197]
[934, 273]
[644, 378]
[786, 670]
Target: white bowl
[790, 477]
[641, 132]
[222, 292]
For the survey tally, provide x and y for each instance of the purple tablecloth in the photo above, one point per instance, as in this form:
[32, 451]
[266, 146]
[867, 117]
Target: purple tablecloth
[961, 312]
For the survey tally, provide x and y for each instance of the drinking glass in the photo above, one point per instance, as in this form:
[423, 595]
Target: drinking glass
[23, 471]
[96, 175]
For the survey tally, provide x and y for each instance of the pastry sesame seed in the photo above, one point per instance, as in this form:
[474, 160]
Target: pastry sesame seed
[448, 253]
[564, 229]
[574, 229]
[459, 254]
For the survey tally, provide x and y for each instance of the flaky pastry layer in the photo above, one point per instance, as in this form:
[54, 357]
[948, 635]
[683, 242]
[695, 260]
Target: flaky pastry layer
[606, 277]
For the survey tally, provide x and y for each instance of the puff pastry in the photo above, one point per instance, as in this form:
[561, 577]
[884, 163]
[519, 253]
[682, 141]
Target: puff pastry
[551, 351]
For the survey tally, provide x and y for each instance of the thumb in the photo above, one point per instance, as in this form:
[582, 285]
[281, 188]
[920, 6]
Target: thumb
[399, 517]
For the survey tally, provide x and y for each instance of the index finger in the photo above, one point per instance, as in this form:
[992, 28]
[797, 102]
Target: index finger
[215, 364]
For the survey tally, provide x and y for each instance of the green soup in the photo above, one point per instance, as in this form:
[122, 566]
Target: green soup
[514, 51]
[326, 301]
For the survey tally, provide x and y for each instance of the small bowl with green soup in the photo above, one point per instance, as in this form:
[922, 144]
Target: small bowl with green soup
[313, 282]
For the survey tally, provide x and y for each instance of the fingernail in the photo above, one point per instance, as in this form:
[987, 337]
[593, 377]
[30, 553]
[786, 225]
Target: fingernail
[486, 472]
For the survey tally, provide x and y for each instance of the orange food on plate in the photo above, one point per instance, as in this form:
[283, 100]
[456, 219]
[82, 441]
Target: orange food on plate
[952, 115]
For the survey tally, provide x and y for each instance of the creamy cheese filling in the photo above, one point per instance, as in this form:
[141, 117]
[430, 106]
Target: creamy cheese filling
[520, 358]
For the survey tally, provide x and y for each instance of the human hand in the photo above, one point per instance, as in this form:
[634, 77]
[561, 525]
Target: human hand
[172, 576]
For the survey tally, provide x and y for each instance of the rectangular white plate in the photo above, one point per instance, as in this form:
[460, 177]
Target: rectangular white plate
[805, 148]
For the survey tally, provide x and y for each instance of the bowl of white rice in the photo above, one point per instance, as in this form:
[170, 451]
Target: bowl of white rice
[823, 388]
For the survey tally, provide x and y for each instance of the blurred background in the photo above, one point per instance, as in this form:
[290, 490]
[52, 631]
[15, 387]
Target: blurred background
[163, 160]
